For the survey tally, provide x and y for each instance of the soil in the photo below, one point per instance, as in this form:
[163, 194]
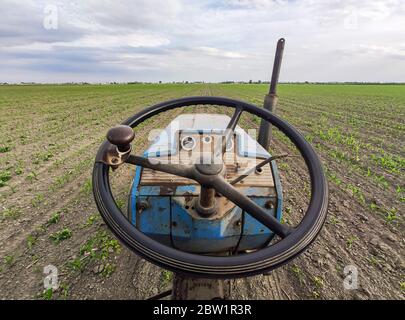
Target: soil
[352, 236]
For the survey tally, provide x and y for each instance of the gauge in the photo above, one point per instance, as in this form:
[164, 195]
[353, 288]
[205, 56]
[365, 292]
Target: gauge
[207, 139]
[188, 143]
[229, 145]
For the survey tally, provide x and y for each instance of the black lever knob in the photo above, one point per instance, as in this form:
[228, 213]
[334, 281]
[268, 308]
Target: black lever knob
[121, 136]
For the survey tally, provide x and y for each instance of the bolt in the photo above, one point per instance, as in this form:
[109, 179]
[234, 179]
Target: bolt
[269, 204]
[143, 205]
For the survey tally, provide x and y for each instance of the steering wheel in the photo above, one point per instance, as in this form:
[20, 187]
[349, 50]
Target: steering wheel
[116, 150]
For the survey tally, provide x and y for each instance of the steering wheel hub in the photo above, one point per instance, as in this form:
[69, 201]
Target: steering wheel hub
[209, 166]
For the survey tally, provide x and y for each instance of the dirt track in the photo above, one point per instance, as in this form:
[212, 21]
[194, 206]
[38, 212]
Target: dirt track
[352, 235]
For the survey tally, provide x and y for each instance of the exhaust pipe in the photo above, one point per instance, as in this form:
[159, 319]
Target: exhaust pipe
[270, 100]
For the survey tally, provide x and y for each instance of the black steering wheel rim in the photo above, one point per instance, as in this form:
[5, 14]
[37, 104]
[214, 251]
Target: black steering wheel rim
[240, 265]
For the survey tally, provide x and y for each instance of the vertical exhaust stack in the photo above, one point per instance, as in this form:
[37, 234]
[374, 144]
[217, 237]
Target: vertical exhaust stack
[270, 100]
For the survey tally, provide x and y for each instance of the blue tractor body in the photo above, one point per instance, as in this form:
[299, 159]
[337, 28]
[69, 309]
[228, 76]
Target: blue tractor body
[162, 205]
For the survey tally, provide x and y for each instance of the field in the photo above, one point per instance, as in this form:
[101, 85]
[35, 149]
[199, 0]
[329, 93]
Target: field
[48, 139]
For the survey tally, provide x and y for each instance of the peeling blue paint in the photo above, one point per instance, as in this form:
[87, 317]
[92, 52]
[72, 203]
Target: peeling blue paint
[168, 215]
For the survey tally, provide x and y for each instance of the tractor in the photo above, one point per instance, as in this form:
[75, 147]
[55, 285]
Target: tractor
[206, 199]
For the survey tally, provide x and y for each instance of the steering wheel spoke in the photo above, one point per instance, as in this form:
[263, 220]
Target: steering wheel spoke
[261, 164]
[250, 207]
[220, 148]
[176, 169]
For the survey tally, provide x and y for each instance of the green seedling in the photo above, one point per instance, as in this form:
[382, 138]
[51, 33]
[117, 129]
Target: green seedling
[4, 149]
[4, 177]
[61, 235]
[350, 241]
[11, 213]
[54, 219]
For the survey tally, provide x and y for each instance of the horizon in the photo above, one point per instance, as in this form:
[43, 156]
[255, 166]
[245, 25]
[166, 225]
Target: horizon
[204, 82]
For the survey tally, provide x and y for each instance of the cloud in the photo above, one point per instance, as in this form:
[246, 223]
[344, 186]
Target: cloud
[110, 41]
[373, 51]
[214, 40]
[220, 53]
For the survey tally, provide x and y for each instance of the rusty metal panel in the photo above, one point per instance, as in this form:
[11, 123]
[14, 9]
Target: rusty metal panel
[235, 166]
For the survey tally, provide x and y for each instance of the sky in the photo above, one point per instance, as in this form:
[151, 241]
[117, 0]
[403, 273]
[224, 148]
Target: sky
[196, 40]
